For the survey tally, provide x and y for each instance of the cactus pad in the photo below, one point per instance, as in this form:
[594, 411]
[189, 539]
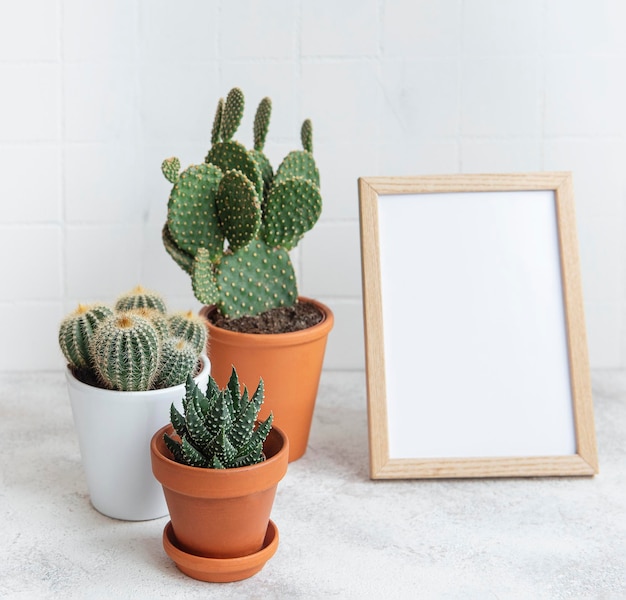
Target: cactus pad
[255, 279]
[233, 155]
[262, 123]
[203, 278]
[306, 135]
[232, 114]
[238, 209]
[217, 122]
[171, 168]
[293, 207]
[181, 258]
[298, 163]
[191, 210]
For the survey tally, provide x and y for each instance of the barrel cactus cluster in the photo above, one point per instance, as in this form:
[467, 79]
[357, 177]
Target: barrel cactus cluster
[232, 220]
[134, 345]
[219, 429]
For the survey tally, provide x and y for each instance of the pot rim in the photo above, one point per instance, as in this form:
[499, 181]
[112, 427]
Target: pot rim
[316, 331]
[218, 483]
[86, 388]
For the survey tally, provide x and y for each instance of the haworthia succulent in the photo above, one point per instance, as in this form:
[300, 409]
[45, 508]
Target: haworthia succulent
[219, 429]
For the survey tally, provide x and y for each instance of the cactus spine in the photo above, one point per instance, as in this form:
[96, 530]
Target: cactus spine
[219, 429]
[236, 197]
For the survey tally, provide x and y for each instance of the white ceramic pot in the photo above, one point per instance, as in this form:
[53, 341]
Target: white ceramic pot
[114, 431]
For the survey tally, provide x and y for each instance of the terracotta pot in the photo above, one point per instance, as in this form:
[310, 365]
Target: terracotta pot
[289, 363]
[114, 430]
[220, 513]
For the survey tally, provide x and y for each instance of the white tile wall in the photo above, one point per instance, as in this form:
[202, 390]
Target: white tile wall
[95, 95]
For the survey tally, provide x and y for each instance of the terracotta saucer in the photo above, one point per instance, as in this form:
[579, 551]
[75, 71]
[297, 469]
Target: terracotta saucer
[220, 570]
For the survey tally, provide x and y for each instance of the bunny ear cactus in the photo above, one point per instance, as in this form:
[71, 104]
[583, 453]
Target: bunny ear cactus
[219, 429]
[235, 197]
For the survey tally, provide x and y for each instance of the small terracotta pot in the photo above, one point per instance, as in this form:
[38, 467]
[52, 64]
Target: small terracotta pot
[220, 513]
[289, 363]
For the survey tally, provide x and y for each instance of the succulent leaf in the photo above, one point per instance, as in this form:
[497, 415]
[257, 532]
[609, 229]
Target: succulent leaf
[174, 447]
[191, 455]
[178, 421]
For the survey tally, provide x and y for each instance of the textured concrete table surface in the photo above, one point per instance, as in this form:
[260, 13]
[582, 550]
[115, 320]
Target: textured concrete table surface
[342, 535]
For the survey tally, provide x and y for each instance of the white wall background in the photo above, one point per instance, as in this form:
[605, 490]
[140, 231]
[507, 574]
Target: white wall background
[94, 94]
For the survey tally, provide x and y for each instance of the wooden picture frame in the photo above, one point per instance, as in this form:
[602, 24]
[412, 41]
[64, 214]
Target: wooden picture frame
[476, 351]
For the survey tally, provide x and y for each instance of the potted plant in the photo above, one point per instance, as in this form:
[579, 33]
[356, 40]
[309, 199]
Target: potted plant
[231, 224]
[219, 468]
[126, 365]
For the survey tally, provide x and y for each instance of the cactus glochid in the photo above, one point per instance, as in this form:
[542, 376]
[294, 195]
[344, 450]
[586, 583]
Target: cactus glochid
[219, 429]
[135, 346]
[235, 196]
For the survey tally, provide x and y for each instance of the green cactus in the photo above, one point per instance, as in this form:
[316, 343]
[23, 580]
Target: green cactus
[139, 297]
[76, 331]
[157, 318]
[219, 429]
[179, 359]
[235, 197]
[136, 346]
[190, 327]
[126, 352]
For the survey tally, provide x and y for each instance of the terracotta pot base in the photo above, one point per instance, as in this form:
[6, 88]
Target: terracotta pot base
[220, 570]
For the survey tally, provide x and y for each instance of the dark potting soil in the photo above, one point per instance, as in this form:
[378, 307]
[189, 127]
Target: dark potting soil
[284, 319]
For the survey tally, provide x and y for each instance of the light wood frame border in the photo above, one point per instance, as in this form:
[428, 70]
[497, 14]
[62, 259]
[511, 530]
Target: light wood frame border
[585, 461]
